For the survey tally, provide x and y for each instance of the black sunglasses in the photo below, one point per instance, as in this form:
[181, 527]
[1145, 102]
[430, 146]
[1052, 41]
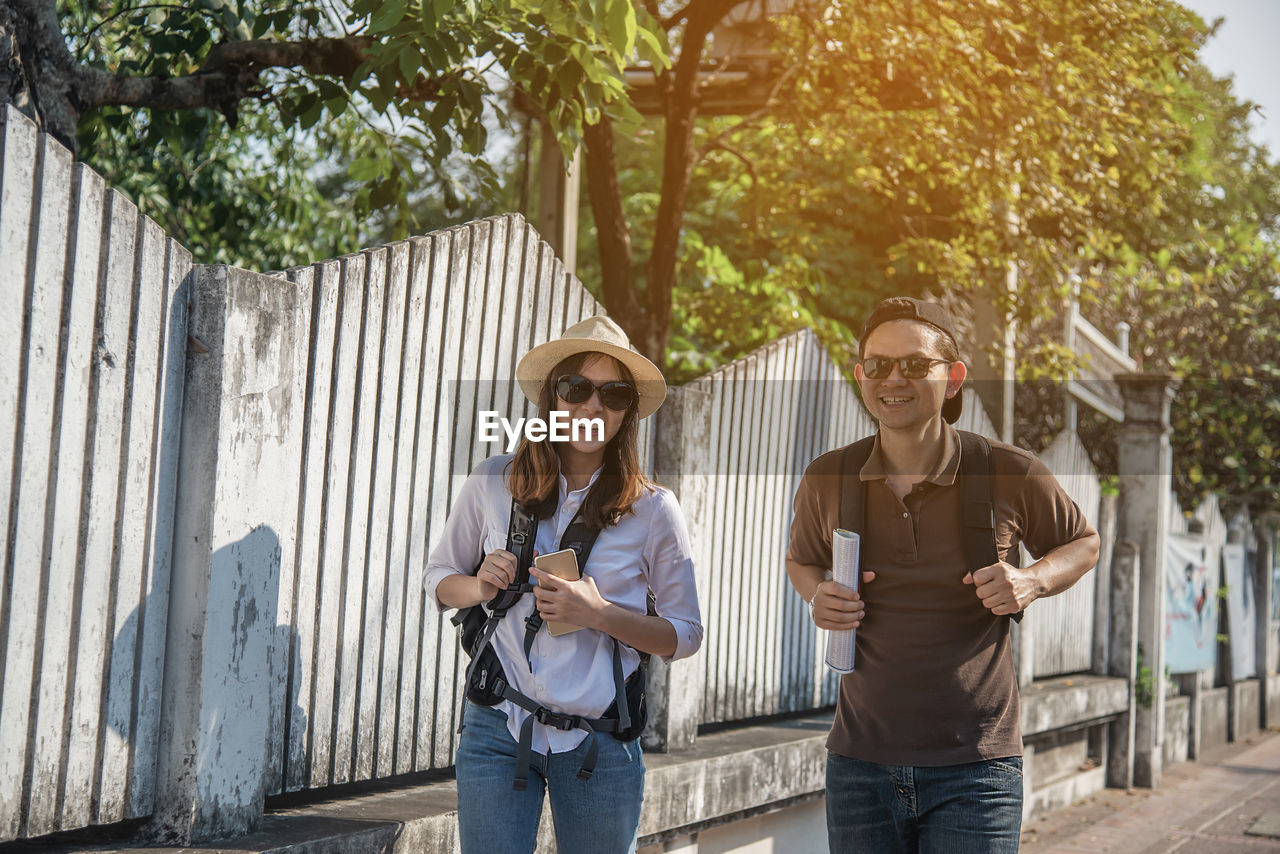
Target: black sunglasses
[616, 395]
[912, 367]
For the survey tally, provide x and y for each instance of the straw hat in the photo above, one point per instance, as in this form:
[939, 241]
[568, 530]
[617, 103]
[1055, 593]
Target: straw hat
[596, 334]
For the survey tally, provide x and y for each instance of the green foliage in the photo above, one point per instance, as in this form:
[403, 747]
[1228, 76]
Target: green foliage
[1201, 289]
[371, 148]
[952, 144]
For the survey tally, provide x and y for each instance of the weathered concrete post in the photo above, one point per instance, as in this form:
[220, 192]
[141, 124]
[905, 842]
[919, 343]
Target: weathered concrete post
[237, 482]
[1145, 463]
[1265, 529]
[1104, 591]
[1122, 661]
[682, 463]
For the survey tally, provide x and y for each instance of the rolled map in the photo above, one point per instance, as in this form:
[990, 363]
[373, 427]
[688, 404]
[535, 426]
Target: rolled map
[845, 547]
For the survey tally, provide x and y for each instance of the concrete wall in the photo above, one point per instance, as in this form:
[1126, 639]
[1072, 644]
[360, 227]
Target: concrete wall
[1177, 732]
[1246, 708]
[791, 829]
[92, 347]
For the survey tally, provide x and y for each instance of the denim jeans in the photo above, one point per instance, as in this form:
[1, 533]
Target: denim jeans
[596, 816]
[895, 809]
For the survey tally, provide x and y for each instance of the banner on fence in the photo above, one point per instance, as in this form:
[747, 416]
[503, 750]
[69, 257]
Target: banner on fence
[1191, 605]
[1242, 610]
[1275, 581]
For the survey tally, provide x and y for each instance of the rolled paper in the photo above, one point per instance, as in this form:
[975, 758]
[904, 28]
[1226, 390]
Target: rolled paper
[845, 549]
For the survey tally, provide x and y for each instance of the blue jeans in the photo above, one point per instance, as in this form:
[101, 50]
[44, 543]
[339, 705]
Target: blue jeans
[596, 816]
[895, 809]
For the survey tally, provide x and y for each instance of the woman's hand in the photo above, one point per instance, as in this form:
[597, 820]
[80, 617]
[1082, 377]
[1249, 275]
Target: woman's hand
[496, 572]
[576, 602]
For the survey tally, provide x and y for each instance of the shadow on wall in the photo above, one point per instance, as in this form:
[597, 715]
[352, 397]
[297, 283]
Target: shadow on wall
[228, 724]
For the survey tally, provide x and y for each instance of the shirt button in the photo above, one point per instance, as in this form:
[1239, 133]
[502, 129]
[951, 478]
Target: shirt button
[905, 515]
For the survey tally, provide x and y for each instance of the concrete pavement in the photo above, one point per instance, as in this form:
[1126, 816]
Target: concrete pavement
[1227, 801]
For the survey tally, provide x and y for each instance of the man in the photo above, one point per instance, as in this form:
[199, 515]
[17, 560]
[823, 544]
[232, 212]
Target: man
[926, 751]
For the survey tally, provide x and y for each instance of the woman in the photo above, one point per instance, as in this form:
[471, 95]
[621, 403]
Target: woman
[642, 545]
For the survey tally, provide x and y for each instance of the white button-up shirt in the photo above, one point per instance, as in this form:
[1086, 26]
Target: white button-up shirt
[648, 549]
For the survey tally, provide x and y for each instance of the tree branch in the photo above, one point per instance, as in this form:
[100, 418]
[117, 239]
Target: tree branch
[230, 74]
[718, 141]
[728, 149]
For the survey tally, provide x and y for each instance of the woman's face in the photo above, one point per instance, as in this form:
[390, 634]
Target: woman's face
[599, 369]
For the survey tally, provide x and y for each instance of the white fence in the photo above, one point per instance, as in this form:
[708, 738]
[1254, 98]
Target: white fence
[1064, 624]
[407, 343]
[92, 340]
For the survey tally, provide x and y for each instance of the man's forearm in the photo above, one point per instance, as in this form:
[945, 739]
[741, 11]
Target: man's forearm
[1064, 566]
[805, 578]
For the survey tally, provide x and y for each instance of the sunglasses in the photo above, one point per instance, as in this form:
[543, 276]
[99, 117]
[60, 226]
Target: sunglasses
[615, 395]
[912, 367]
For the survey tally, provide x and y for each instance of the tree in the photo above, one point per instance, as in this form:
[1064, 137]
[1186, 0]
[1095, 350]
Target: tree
[352, 111]
[913, 148]
[1201, 288]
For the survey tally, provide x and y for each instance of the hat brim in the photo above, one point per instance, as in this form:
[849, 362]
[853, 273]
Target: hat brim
[531, 372]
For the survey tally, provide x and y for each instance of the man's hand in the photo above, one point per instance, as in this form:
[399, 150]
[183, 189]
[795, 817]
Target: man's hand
[1004, 588]
[837, 607]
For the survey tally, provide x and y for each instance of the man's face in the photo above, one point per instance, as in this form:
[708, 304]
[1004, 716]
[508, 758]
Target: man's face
[898, 402]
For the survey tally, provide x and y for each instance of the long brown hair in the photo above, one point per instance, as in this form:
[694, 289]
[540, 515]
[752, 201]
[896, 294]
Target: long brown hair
[535, 469]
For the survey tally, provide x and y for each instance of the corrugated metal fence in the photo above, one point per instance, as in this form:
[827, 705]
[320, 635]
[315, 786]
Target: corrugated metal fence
[92, 341]
[408, 343]
[1064, 624]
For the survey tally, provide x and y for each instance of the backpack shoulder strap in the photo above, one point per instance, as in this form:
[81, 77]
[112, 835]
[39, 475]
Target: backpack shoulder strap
[853, 492]
[978, 522]
[580, 537]
[978, 512]
[522, 530]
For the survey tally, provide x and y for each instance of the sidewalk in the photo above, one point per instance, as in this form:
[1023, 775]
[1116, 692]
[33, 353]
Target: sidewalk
[1227, 801]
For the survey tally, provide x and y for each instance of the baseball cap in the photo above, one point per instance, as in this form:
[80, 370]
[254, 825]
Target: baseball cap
[922, 311]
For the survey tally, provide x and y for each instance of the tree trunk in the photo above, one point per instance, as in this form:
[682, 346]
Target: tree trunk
[613, 235]
[649, 325]
[14, 88]
[677, 168]
[35, 68]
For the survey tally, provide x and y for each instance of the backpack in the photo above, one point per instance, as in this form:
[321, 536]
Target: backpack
[486, 683]
[978, 535]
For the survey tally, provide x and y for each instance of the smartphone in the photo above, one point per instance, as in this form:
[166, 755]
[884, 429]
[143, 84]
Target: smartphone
[562, 564]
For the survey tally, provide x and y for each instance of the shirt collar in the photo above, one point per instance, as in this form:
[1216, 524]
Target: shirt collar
[943, 473]
[564, 484]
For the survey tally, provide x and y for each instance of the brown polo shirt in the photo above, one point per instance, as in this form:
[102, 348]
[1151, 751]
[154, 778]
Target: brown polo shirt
[934, 682]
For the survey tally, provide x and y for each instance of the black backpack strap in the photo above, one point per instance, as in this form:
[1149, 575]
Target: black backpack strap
[580, 537]
[978, 522]
[563, 722]
[853, 492]
[522, 530]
